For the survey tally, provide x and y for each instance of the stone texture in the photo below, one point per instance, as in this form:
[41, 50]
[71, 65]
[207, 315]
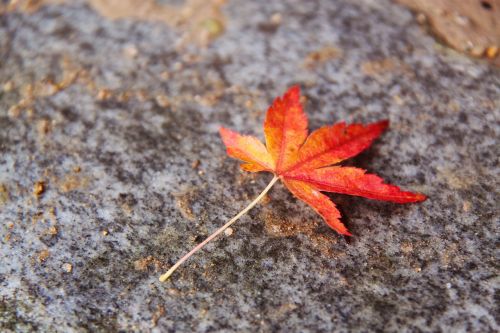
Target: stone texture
[111, 168]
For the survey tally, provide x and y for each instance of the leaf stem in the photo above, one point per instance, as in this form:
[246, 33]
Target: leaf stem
[165, 276]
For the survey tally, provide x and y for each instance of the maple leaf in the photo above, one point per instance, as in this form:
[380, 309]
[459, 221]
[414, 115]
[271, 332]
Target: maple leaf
[307, 164]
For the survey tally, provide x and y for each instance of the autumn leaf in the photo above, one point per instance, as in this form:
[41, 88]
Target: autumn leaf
[304, 163]
[307, 164]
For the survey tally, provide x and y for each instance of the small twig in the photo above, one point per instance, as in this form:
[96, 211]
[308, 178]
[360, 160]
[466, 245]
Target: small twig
[165, 276]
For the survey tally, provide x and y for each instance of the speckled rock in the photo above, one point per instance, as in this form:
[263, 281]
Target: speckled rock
[111, 168]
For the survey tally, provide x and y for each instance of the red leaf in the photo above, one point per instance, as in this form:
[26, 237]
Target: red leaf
[304, 163]
[333, 144]
[354, 181]
[319, 202]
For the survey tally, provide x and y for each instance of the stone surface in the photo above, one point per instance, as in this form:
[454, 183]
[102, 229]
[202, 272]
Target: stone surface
[111, 168]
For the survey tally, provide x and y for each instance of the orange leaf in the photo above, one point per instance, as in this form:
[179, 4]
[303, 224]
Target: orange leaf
[285, 128]
[304, 163]
[319, 202]
[248, 149]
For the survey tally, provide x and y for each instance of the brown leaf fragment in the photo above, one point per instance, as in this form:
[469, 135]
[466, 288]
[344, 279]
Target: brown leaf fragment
[160, 312]
[4, 194]
[39, 188]
[470, 27]
[43, 255]
[144, 264]
[321, 56]
[67, 267]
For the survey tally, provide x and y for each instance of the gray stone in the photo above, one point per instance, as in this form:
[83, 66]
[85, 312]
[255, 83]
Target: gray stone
[123, 197]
